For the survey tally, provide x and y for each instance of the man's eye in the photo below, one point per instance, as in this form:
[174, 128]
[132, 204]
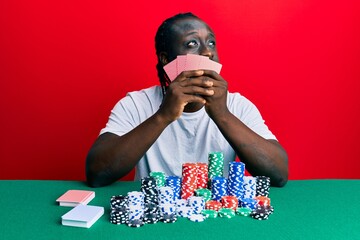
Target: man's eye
[212, 43]
[192, 44]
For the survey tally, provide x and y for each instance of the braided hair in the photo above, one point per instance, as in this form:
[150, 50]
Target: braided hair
[163, 44]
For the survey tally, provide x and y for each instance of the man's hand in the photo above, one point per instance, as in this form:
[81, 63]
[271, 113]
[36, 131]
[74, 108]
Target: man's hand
[215, 104]
[188, 87]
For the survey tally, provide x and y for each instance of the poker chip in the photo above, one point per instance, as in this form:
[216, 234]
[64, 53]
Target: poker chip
[136, 223]
[226, 213]
[119, 201]
[197, 204]
[260, 213]
[119, 215]
[202, 192]
[243, 211]
[149, 189]
[216, 165]
[249, 187]
[197, 218]
[168, 218]
[202, 175]
[208, 213]
[189, 176]
[248, 203]
[262, 186]
[236, 179]
[269, 209]
[160, 178]
[166, 195]
[262, 200]
[213, 205]
[218, 188]
[151, 218]
[175, 183]
[230, 202]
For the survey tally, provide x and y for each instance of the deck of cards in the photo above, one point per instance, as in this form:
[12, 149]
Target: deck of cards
[190, 62]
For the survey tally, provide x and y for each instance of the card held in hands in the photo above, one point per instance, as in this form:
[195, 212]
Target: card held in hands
[190, 62]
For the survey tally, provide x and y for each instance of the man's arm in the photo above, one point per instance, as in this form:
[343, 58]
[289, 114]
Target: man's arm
[112, 157]
[261, 156]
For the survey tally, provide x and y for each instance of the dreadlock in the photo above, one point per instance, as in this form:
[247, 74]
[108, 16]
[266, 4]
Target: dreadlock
[163, 44]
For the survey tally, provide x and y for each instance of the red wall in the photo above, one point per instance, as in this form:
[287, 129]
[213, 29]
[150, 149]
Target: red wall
[64, 64]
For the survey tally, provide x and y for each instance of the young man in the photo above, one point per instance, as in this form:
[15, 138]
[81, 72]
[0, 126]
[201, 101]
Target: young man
[160, 128]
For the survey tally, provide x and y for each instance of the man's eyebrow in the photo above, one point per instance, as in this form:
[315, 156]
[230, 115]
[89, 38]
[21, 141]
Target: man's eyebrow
[195, 32]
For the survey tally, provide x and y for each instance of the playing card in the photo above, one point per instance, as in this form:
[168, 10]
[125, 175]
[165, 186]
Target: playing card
[192, 62]
[181, 62]
[170, 70]
[211, 65]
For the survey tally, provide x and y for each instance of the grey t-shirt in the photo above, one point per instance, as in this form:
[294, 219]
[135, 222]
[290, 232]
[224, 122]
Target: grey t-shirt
[188, 139]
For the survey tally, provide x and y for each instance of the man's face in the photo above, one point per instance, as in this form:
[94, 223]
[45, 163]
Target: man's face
[193, 36]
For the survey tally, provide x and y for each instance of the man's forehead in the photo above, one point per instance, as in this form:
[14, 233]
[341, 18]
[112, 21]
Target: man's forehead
[189, 24]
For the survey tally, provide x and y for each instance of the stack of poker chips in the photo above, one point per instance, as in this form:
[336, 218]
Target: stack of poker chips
[197, 204]
[191, 208]
[262, 186]
[151, 213]
[249, 187]
[150, 190]
[165, 198]
[216, 165]
[189, 181]
[218, 187]
[160, 178]
[175, 183]
[202, 175]
[236, 180]
[136, 208]
[119, 209]
[166, 205]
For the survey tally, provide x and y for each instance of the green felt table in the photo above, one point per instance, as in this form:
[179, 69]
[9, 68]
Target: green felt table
[303, 209]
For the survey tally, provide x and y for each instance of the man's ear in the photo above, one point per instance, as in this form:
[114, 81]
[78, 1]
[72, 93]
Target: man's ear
[163, 57]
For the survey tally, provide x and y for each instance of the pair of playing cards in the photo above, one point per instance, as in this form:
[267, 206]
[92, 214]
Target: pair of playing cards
[190, 62]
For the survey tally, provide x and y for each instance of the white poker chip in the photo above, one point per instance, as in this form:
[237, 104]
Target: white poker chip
[197, 218]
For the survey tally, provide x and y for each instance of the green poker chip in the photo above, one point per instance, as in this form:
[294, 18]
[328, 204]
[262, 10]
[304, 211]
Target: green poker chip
[208, 213]
[226, 213]
[243, 211]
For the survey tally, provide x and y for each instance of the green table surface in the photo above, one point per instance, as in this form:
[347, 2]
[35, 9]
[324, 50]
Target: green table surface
[303, 209]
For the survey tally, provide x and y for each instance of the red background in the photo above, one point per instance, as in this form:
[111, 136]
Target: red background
[64, 65]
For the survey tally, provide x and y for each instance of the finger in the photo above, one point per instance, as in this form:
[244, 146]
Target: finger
[212, 74]
[195, 90]
[194, 98]
[190, 74]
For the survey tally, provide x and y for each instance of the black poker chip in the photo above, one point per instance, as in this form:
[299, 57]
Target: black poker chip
[136, 223]
[119, 201]
[119, 215]
[168, 218]
[260, 213]
[151, 218]
[262, 186]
